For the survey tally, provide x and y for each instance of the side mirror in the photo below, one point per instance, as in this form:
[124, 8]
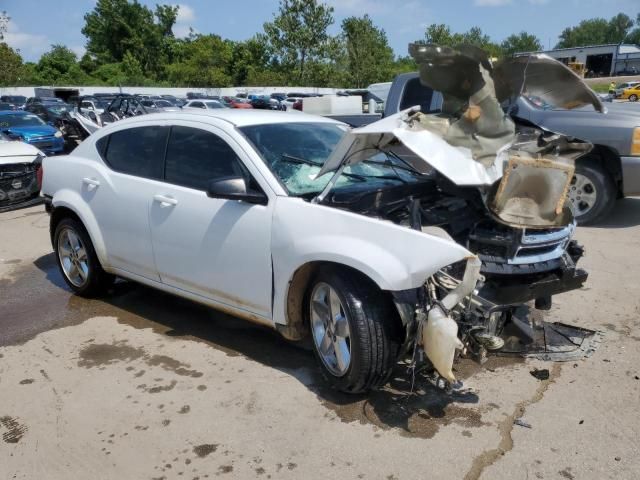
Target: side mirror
[235, 188]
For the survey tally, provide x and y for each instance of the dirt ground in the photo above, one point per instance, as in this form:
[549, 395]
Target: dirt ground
[143, 385]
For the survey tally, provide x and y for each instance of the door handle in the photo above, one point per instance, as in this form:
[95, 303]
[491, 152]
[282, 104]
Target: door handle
[91, 182]
[165, 201]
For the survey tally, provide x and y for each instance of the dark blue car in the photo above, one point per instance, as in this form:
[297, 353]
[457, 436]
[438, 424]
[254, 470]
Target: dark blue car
[33, 130]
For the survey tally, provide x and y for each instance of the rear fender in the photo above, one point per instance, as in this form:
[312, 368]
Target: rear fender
[73, 201]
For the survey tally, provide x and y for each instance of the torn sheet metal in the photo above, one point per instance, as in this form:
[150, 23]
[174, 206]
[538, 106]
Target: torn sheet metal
[538, 75]
[430, 149]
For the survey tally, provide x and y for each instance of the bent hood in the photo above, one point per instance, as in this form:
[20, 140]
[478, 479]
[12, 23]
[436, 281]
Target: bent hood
[17, 152]
[430, 149]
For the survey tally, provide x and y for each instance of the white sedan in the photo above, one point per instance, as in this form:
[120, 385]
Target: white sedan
[204, 104]
[233, 209]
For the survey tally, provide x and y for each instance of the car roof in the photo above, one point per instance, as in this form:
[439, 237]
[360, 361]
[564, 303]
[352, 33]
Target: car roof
[236, 117]
[14, 112]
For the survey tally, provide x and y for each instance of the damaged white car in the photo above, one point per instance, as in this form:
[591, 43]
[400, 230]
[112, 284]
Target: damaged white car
[375, 243]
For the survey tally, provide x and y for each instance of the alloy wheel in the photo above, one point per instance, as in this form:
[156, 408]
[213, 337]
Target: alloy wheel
[330, 329]
[582, 194]
[73, 257]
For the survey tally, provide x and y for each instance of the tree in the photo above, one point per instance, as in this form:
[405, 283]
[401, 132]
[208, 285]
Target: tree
[298, 34]
[596, 31]
[369, 57]
[619, 26]
[203, 62]
[440, 34]
[4, 24]
[521, 42]
[115, 27]
[634, 35]
[248, 58]
[55, 64]
[12, 68]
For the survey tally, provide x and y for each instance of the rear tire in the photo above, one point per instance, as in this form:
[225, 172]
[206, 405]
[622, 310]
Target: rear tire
[77, 260]
[592, 191]
[633, 98]
[347, 313]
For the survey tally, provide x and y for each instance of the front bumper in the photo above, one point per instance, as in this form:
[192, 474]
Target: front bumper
[630, 175]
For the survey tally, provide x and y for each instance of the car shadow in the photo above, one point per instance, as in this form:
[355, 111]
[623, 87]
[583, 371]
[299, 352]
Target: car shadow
[624, 214]
[413, 405]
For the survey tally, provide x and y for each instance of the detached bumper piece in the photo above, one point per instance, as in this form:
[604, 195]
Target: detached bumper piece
[528, 336]
[517, 290]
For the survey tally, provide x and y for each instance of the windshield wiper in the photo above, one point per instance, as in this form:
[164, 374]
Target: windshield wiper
[303, 161]
[389, 164]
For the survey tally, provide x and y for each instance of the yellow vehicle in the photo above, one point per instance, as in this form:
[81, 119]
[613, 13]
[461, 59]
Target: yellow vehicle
[578, 68]
[631, 93]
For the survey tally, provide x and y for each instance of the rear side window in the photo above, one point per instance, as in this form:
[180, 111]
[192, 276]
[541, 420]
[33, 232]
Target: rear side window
[416, 94]
[195, 157]
[136, 151]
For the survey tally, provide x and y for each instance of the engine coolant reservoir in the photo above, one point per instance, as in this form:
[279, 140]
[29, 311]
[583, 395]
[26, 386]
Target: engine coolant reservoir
[440, 341]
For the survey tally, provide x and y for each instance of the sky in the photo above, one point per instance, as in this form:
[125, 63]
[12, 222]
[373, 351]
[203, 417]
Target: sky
[36, 24]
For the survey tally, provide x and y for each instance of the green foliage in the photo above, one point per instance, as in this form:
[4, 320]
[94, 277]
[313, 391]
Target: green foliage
[369, 57]
[115, 27]
[298, 35]
[12, 69]
[441, 35]
[521, 42]
[596, 31]
[55, 64]
[203, 62]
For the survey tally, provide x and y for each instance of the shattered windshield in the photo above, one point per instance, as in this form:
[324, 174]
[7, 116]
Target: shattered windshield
[295, 153]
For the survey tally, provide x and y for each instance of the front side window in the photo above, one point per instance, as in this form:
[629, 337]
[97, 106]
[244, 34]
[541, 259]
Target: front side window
[136, 151]
[195, 157]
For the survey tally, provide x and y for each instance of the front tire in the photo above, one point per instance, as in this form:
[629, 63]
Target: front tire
[77, 260]
[592, 192]
[353, 330]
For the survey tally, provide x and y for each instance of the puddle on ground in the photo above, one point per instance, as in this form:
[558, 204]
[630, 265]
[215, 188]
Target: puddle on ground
[38, 300]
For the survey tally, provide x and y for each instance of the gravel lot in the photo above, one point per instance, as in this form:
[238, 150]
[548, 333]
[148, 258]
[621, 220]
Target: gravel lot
[142, 385]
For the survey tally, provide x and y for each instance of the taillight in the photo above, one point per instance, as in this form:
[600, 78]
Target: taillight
[39, 173]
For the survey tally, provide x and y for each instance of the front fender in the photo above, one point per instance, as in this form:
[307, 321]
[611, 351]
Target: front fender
[394, 257]
[73, 201]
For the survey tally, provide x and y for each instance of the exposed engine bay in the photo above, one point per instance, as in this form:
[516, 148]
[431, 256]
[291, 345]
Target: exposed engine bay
[496, 188]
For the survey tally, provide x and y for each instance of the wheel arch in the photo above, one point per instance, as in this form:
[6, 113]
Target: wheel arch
[609, 158]
[63, 209]
[296, 327]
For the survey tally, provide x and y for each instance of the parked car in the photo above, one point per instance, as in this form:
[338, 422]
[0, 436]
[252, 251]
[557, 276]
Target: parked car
[623, 86]
[16, 101]
[262, 102]
[631, 93]
[49, 112]
[43, 99]
[93, 104]
[20, 174]
[158, 105]
[280, 218]
[235, 102]
[204, 104]
[7, 106]
[31, 129]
